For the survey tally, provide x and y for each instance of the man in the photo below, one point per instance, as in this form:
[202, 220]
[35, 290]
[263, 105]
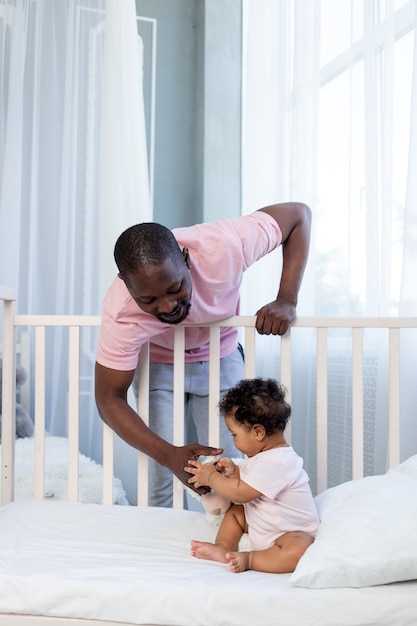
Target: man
[191, 273]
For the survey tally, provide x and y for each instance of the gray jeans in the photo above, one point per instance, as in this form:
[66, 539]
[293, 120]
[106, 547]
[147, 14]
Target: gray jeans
[196, 413]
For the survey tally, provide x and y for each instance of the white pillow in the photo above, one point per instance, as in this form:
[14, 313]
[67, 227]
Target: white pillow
[368, 532]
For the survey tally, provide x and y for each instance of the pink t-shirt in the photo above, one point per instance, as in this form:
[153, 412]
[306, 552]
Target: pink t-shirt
[286, 503]
[220, 252]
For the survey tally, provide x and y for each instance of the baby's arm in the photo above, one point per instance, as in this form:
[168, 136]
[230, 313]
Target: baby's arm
[213, 502]
[230, 487]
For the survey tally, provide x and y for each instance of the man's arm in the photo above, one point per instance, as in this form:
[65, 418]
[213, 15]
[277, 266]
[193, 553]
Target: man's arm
[111, 388]
[294, 220]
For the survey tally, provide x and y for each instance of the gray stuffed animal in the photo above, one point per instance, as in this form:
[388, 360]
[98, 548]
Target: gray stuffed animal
[24, 425]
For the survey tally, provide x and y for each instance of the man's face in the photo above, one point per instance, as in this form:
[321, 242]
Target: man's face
[162, 290]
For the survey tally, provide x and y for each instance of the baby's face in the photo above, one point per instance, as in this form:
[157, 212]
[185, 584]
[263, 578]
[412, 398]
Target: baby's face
[245, 438]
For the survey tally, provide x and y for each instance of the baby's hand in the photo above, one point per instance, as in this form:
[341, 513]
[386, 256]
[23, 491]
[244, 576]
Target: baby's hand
[226, 467]
[201, 472]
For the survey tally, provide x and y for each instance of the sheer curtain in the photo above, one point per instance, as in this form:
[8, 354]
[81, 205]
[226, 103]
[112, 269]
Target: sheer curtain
[73, 165]
[330, 115]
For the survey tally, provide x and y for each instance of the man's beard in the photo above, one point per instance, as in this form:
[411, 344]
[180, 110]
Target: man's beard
[176, 320]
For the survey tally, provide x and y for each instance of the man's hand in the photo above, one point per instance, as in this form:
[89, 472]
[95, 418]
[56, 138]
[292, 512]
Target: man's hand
[276, 317]
[180, 458]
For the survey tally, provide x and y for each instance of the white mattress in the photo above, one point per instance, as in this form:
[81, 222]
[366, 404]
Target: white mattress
[133, 565]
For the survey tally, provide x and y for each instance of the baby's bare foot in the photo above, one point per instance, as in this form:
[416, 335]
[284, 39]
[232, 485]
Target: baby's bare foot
[208, 551]
[238, 561]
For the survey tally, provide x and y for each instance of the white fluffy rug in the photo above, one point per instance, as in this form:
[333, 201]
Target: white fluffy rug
[56, 470]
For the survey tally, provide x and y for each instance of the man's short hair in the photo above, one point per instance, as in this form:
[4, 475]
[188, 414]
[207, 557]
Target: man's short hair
[145, 244]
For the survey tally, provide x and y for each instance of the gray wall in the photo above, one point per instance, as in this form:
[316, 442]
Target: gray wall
[198, 108]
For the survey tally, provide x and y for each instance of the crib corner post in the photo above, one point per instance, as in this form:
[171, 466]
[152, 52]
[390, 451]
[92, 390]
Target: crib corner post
[8, 391]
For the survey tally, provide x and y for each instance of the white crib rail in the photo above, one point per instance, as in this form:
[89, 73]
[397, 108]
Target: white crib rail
[247, 324]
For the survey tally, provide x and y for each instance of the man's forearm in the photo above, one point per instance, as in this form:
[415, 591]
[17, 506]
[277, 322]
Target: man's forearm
[295, 251]
[132, 429]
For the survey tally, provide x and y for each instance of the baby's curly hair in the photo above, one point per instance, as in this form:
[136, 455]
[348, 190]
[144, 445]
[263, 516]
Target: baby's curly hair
[257, 401]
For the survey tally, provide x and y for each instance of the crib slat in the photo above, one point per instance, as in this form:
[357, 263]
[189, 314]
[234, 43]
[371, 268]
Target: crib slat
[108, 457]
[143, 409]
[214, 387]
[357, 402]
[178, 437]
[40, 361]
[321, 385]
[394, 397]
[250, 361]
[285, 377]
[73, 412]
[25, 362]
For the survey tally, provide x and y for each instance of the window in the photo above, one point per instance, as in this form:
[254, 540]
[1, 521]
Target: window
[328, 120]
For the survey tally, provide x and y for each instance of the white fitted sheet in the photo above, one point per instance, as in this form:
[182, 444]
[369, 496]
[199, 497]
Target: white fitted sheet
[133, 565]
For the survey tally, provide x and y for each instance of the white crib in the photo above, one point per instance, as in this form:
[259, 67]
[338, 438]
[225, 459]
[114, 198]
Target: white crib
[68, 563]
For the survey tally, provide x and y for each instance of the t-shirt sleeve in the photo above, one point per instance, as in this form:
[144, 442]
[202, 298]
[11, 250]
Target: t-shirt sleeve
[122, 330]
[114, 350]
[259, 234]
[231, 245]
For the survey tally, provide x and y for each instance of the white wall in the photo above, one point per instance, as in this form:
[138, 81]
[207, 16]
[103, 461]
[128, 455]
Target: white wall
[198, 109]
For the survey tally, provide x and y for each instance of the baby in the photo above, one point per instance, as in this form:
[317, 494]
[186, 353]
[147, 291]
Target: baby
[276, 507]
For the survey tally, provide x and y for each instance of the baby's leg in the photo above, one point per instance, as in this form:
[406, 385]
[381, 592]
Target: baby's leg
[281, 558]
[231, 530]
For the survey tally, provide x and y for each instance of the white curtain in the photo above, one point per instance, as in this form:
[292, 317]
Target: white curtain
[73, 165]
[330, 116]
[124, 178]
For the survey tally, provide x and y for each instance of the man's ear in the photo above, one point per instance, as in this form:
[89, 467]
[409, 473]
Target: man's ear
[186, 256]
[120, 276]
